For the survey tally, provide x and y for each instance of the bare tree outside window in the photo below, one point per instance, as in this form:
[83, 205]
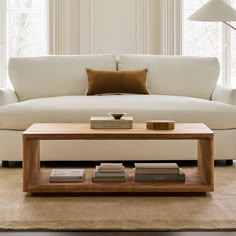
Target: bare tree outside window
[27, 31]
[200, 38]
[26, 28]
[21, 22]
[205, 38]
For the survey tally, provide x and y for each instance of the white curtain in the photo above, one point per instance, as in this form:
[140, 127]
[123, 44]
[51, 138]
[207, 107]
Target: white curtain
[171, 27]
[64, 27]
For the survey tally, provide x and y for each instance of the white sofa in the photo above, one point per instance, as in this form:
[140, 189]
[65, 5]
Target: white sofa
[52, 89]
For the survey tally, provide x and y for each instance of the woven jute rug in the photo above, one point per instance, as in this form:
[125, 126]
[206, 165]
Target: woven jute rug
[20, 211]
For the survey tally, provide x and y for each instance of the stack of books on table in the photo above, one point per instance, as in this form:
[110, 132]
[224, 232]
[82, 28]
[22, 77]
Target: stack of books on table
[110, 172]
[111, 123]
[66, 175]
[158, 172]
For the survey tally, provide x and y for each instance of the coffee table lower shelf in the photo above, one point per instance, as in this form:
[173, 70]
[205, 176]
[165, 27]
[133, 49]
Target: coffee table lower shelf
[193, 183]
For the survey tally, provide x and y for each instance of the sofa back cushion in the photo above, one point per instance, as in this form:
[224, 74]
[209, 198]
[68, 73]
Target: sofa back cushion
[50, 76]
[176, 75]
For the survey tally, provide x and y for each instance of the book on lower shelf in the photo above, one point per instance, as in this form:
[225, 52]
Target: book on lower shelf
[110, 179]
[111, 123]
[109, 172]
[156, 168]
[158, 172]
[110, 168]
[160, 177]
[66, 175]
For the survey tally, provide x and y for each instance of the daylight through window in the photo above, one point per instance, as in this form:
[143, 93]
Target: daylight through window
[210, 39]
[26, 31]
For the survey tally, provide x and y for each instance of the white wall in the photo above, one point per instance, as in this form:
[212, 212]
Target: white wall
[115, 26]
[119, 26]
[104, 26]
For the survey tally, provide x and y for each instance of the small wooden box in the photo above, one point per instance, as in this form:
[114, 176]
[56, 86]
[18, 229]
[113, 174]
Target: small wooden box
[160, 124]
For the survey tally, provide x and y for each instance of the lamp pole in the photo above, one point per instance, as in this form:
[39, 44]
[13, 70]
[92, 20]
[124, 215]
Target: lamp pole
[229, 25]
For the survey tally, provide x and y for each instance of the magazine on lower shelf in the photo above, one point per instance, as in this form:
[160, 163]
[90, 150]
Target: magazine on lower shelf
[66, 175]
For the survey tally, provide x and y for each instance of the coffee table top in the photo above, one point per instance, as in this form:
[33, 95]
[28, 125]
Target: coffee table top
[53, 131]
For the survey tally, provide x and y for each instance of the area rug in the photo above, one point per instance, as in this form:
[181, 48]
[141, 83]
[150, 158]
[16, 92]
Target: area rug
[214, 211]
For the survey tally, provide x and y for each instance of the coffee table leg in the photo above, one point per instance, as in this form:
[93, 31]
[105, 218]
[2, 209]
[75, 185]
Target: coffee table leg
[31, 161]
[206, 161]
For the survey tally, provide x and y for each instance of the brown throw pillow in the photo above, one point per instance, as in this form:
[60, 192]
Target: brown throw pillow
[101, 82]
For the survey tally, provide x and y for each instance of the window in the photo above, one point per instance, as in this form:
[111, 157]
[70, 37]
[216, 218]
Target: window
[25, 34]
[210, 39]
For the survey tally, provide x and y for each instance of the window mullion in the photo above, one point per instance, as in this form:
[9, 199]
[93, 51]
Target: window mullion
[226, 55]
[178, 26]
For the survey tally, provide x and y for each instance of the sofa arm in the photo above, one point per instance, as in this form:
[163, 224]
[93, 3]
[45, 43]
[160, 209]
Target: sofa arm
[7, 96]
[224, 94]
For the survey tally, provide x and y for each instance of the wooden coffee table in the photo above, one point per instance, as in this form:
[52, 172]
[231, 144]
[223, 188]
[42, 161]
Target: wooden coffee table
[35, 179]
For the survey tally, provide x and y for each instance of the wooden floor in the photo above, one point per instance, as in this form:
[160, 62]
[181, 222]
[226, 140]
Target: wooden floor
[222, 233]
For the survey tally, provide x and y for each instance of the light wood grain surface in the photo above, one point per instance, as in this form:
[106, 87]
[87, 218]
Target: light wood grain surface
[139, 132]
[35, 180]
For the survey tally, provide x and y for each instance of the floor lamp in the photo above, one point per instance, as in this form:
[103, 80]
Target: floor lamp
[215, 10]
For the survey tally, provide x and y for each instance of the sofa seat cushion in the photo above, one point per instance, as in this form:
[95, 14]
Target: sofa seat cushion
[20, 116]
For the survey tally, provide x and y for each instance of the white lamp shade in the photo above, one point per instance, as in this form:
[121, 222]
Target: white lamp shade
[214, 10]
